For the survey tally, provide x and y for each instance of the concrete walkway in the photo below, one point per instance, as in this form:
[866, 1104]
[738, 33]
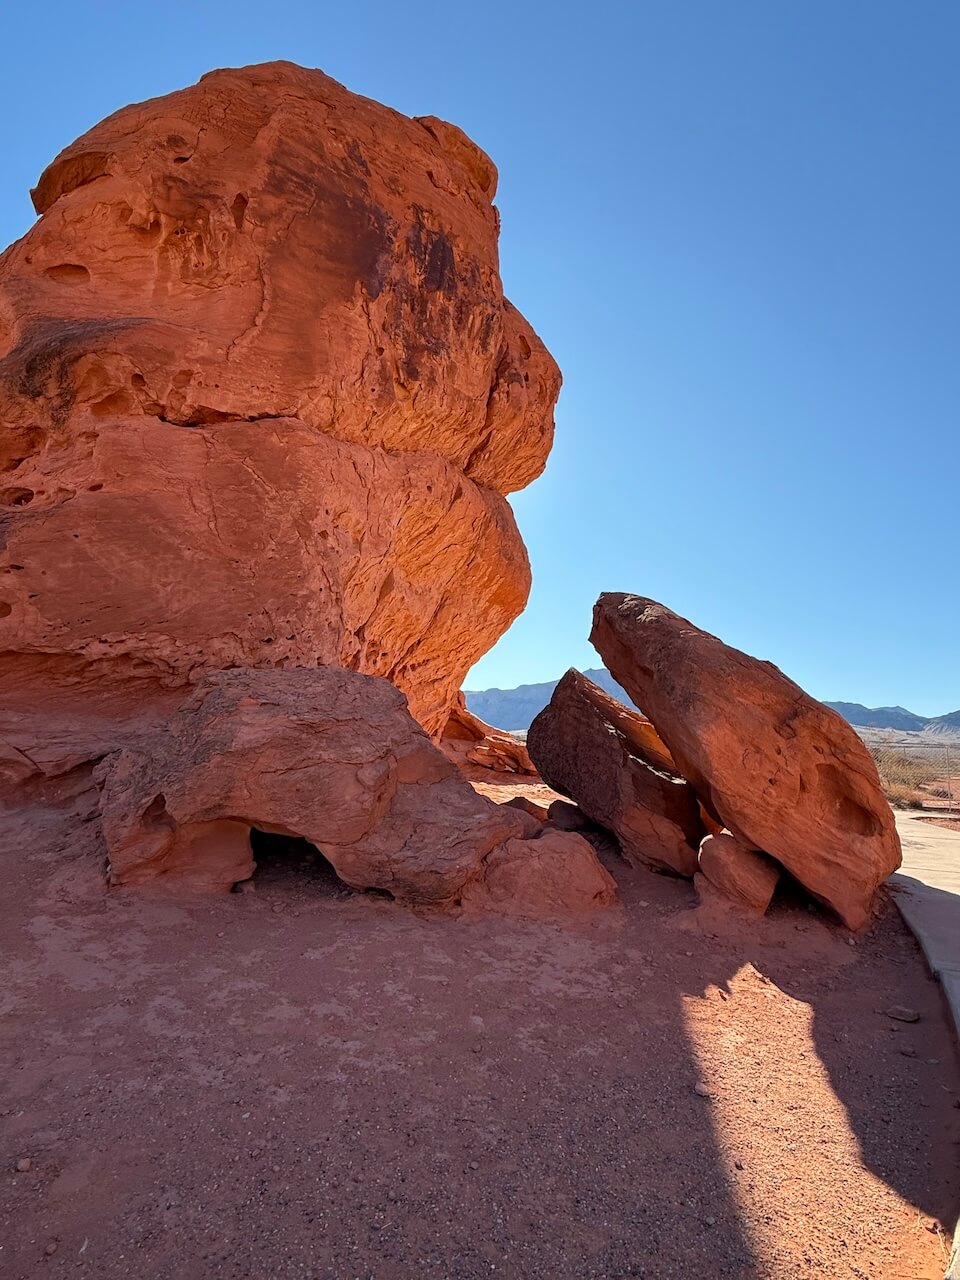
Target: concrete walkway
[927, 891]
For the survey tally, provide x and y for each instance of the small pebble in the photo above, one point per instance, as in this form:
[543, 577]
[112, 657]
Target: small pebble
[277, 908]
[51, 1249]
[710, 1220]
[391, 1195]
[474, 1165]
[738, 1164]
[933, 1062]
[23, 1166]
[702, 1091]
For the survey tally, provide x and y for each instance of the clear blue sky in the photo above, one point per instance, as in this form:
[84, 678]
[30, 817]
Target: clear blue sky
[734, 224]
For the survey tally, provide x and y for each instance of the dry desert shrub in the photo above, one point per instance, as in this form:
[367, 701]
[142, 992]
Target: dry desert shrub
[907, 776]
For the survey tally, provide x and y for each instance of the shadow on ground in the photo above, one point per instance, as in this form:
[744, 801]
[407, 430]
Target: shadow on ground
[305, 1081]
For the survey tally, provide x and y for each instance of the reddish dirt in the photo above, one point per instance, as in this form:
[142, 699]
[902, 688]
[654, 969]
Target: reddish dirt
[303, 1081]
[952, 824]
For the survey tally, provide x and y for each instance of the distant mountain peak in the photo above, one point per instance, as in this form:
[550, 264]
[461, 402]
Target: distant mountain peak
[516, 708]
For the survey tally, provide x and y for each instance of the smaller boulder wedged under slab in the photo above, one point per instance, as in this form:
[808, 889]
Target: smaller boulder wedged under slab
[742, 877]
[336, 758]
[611, 762]
[783, 772]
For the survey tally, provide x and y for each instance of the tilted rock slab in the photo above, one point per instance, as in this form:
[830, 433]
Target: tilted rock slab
[261, 398]
[612, 763]
[335, 758]
[784, 773]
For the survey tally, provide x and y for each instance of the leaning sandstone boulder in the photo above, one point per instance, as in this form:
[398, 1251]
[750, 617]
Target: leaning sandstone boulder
[740, 876]
[784, 773]
[612, 763]
[261, 398]
[334, 758]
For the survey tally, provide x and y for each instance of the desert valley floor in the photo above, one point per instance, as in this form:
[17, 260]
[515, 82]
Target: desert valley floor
[305, 1081]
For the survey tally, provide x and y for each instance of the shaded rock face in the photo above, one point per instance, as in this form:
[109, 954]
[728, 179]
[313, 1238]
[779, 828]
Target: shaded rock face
[739, 875]
[261, 398]
[334, 758]
[784, 773]
[613, 764]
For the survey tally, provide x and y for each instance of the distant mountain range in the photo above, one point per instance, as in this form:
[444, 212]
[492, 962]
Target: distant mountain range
[516, 708]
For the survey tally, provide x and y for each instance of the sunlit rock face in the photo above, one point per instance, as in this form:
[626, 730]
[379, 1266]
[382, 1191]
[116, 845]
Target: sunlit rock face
[261, 398]
[784, 774]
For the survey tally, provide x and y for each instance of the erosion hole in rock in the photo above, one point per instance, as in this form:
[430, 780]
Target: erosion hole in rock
[16, 496]
[286, 862]
[850, 816]
[70, 272]
[238, 209]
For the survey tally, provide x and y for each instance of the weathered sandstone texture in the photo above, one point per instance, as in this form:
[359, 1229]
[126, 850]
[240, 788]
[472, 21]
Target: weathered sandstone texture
[784, 773]
[737, 874]
[610, 760]
[469, 740]
[261, 398]
[335, 758]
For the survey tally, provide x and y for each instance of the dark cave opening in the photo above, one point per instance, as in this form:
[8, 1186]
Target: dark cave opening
[293, 862]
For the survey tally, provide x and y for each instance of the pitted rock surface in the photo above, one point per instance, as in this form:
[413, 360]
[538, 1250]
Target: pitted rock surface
[261, 398]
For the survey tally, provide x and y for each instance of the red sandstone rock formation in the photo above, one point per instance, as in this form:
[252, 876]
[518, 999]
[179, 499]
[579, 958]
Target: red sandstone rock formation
[736, 874]
[261, 396]
[335, 758]
[784, 773]
[612, 763]
[469, 740]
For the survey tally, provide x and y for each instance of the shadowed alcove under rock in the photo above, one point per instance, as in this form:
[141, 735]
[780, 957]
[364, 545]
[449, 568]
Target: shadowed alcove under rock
[292, 862]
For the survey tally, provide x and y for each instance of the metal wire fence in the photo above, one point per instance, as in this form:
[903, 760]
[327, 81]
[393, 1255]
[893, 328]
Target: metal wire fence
[919, 775]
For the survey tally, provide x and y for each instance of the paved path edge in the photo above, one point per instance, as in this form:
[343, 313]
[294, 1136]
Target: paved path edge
[931, 870]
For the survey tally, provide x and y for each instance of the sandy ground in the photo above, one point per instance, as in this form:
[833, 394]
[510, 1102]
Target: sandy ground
[952, 824]
[307, 1082]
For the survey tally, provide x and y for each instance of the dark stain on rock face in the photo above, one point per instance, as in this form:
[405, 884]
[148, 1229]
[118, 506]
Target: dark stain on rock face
[40, 365]
[356, 155]
[433, 253]
[338, 223]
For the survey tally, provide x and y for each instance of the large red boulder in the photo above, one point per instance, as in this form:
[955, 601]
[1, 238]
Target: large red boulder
[784, 773]
[261, 398]
[611, 761]
[334, 758]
